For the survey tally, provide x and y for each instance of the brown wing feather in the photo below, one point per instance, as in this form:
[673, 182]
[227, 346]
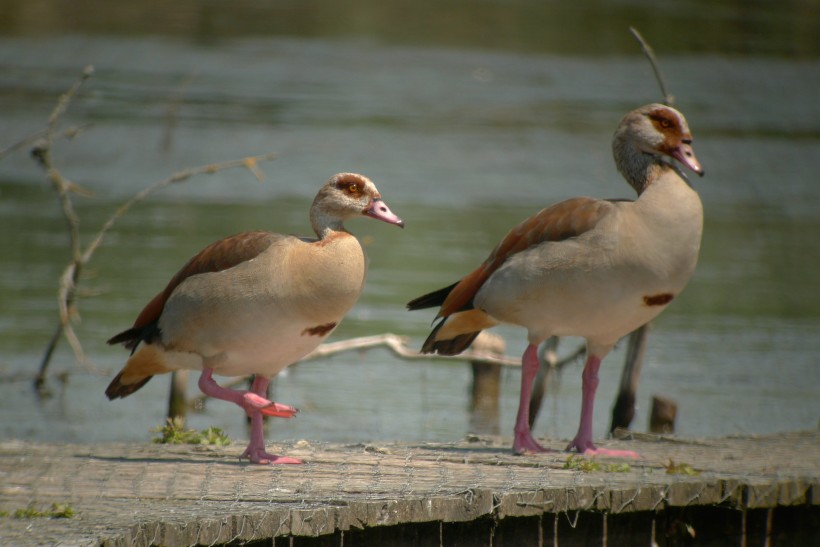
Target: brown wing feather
[561, 221]
[220, 255]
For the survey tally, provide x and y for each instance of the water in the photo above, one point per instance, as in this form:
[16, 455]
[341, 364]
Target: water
[468, 119]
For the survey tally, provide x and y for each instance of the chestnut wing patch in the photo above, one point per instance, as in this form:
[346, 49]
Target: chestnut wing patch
[319, 330]
[216, 257]
[559, 222]
[661, 299]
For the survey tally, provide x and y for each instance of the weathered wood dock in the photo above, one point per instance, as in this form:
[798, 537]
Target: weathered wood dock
[748, 491]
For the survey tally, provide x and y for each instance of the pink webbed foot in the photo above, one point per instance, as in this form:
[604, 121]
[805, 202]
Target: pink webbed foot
[258, 455]
[524, 443]
[586, 447]
[253, 402]
[255, 452]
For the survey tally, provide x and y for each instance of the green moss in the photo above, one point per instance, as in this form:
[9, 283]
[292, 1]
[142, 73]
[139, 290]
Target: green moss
[57, 511]
[174, 432]
[579, 463]
[673, 468]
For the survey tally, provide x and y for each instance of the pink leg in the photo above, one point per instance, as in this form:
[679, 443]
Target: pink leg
[255, 404]
[583, 439]
[255, 452]
[249, 400]
[523, 441]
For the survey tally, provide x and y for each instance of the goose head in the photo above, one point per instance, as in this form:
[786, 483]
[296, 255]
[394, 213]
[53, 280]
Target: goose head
[345, 196]
[645, 141]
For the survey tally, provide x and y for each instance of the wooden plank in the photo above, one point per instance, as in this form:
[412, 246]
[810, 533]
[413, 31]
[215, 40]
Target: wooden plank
[129, 494]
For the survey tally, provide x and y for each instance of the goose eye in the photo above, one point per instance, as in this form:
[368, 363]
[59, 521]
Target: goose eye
[661, 120]
[351, 188]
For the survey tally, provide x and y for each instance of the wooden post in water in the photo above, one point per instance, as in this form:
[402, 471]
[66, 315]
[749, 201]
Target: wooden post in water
[486, 386]
[623, 412]
[177, 398]
[664, 412]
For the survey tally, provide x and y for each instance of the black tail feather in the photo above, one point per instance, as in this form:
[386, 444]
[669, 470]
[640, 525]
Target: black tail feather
[431, 300]
[131, 338]
[116, 390]
[453, 346]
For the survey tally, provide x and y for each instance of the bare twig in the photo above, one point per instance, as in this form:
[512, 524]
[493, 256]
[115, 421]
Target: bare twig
[28, 140]
[68, 280]
[668, 99]
[171, 114]
[79, 257]
[181, 176]
[64, 188]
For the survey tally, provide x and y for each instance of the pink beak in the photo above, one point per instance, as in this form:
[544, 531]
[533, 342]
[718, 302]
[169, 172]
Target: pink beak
[684, 154]
[379, 210]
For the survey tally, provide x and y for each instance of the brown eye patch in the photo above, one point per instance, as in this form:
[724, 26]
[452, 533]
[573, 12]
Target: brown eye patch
[662, 120]
[351, 188]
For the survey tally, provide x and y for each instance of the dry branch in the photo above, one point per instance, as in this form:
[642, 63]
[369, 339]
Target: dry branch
[42, 153]
[29, 140]
[668, 99]
[172, 113]
[398, 346]
[80, 256]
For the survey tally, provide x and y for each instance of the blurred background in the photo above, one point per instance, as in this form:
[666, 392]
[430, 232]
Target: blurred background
[469, 116]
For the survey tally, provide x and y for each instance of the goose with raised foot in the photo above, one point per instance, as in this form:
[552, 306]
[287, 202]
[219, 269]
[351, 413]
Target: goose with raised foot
[254, 303]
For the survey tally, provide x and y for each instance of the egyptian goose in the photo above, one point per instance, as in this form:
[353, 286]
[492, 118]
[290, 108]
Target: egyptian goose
[254, 303]
[585, 267]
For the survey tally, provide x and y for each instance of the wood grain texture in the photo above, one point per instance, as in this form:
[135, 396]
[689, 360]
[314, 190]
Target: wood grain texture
[127, 494]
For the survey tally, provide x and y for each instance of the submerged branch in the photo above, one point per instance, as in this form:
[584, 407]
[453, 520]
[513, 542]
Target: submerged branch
[398, 346]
